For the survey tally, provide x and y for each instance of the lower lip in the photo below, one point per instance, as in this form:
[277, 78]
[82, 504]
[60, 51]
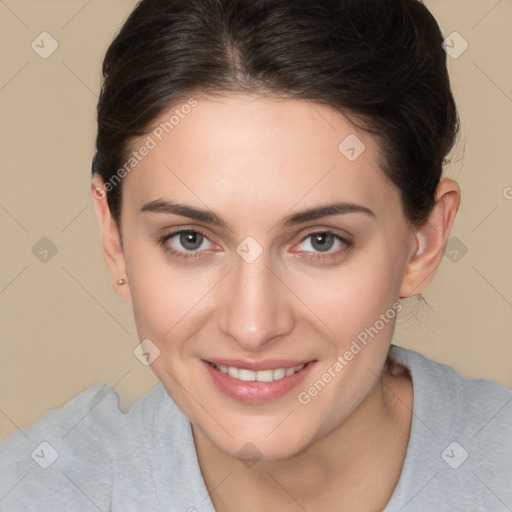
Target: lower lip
[256, 392]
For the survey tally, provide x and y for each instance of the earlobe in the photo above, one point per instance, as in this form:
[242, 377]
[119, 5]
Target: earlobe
[113, 252]
[431, 238]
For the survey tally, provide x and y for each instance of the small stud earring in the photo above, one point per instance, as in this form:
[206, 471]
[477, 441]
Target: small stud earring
[121, 281]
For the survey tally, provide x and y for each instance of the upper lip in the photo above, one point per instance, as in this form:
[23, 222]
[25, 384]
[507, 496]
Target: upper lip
[266, 364]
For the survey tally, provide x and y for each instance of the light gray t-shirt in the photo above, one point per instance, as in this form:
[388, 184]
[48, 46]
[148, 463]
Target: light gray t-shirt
[89, 456]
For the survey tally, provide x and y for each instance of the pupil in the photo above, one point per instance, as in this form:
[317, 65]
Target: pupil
[323, 241]
[191, 240]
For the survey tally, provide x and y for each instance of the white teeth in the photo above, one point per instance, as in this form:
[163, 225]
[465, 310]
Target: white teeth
[233, 372]
[246, 375]
[260, 376]
[279, 373]
[265, 376]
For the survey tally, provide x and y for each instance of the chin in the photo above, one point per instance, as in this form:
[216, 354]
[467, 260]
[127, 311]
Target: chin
[252, 448]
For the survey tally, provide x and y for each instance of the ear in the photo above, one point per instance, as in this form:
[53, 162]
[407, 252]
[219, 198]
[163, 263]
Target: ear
[110, 239]
[431, 238]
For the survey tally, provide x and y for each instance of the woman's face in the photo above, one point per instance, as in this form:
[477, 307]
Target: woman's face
[255, 282]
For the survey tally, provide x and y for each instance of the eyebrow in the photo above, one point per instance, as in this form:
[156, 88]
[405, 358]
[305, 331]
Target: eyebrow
[339, 208]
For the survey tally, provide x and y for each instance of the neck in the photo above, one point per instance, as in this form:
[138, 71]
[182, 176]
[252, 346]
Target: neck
[358, 461]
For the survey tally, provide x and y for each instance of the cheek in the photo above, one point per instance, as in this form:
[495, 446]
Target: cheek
[167, 303]
[164, 295]
[353, 297]
[359, 306]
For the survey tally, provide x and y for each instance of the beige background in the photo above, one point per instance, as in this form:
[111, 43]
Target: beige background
[64, 329]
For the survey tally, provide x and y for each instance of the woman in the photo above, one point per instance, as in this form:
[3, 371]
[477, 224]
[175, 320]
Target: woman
[268, 185]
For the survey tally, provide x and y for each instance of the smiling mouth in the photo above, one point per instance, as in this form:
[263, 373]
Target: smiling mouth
[245, 375]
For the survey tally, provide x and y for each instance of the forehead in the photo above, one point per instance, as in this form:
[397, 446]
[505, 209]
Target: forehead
[265, 149]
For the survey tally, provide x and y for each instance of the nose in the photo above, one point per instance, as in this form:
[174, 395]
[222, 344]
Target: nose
[256, 310]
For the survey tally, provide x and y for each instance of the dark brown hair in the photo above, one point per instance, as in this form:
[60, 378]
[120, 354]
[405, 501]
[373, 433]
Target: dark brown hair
[379, 62]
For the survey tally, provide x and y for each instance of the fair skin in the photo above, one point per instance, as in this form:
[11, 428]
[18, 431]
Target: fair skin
[254, 161]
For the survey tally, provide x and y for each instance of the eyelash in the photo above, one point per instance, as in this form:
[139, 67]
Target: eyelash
[189, 255]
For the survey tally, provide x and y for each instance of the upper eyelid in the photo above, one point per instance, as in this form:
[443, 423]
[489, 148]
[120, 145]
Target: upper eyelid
[337, 235]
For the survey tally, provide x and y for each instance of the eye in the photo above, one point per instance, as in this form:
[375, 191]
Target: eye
[186, 243]
[193, 244]
[323, 245]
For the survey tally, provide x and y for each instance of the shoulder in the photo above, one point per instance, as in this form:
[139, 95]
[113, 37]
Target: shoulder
[67, 456]
[466, 399]
[460, 448]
